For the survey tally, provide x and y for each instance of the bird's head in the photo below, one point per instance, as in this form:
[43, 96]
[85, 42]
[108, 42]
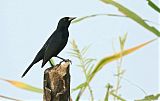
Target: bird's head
[65, 22]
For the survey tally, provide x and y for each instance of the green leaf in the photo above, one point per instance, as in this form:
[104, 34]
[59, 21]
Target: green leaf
[95, 15]
[90, 70]
[113, 15]
[88, 61]
[51, 62]
[112, 58]
[118, 97]
[23, 86]
[116, 56]
[150, 98]
[9, 98]
[84, 50]
[79, 86]
[84, 64]
[132, 15]
[155, 7]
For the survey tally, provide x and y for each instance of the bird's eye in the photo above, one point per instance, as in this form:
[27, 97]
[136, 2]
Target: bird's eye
[64, 19]
[67, 18]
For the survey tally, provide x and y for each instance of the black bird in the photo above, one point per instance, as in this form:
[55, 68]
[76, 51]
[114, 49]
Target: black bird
[54, 45]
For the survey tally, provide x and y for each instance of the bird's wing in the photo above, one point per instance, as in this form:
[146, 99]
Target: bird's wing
[50, 51]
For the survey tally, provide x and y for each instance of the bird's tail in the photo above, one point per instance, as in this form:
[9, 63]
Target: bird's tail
[27, 69]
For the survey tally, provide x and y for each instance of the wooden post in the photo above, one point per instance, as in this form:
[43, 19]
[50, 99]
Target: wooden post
[57, 83]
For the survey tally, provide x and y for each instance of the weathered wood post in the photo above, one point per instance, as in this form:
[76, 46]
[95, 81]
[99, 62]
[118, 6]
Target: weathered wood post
[57, 83]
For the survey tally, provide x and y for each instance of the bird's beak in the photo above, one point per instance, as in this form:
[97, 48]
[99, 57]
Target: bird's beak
[71, 18]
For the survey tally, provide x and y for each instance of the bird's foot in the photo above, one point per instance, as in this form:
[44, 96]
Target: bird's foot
[65, 60]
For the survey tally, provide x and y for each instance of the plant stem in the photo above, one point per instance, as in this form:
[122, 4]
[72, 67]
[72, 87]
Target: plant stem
[119, 70]
[85, 73]
[118, 97]
[108, 86]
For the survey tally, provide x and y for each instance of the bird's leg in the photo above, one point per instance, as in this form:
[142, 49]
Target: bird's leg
[61, 58]
[50, 61]
[65, 60]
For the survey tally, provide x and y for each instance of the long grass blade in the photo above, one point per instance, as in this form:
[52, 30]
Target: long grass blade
[132, 15]
[118, 97]
[23, 86]
[95, 15]
[150, 98]
[112, 15]
[112, 58]
[116, 56]
[154, 6]
[9, 98]
[79, 86]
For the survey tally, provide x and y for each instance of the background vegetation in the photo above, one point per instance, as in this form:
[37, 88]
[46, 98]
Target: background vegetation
[90, 66]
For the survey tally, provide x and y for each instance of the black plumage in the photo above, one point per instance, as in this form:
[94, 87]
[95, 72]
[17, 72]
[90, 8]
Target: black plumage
[54, 45]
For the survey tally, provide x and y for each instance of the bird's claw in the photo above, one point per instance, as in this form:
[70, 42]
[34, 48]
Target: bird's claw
[67, 60]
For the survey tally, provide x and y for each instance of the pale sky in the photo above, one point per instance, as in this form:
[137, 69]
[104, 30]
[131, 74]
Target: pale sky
[26, 25]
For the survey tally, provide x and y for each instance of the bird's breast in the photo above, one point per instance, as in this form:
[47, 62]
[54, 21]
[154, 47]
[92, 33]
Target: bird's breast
[65, 34]
[63, 38]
